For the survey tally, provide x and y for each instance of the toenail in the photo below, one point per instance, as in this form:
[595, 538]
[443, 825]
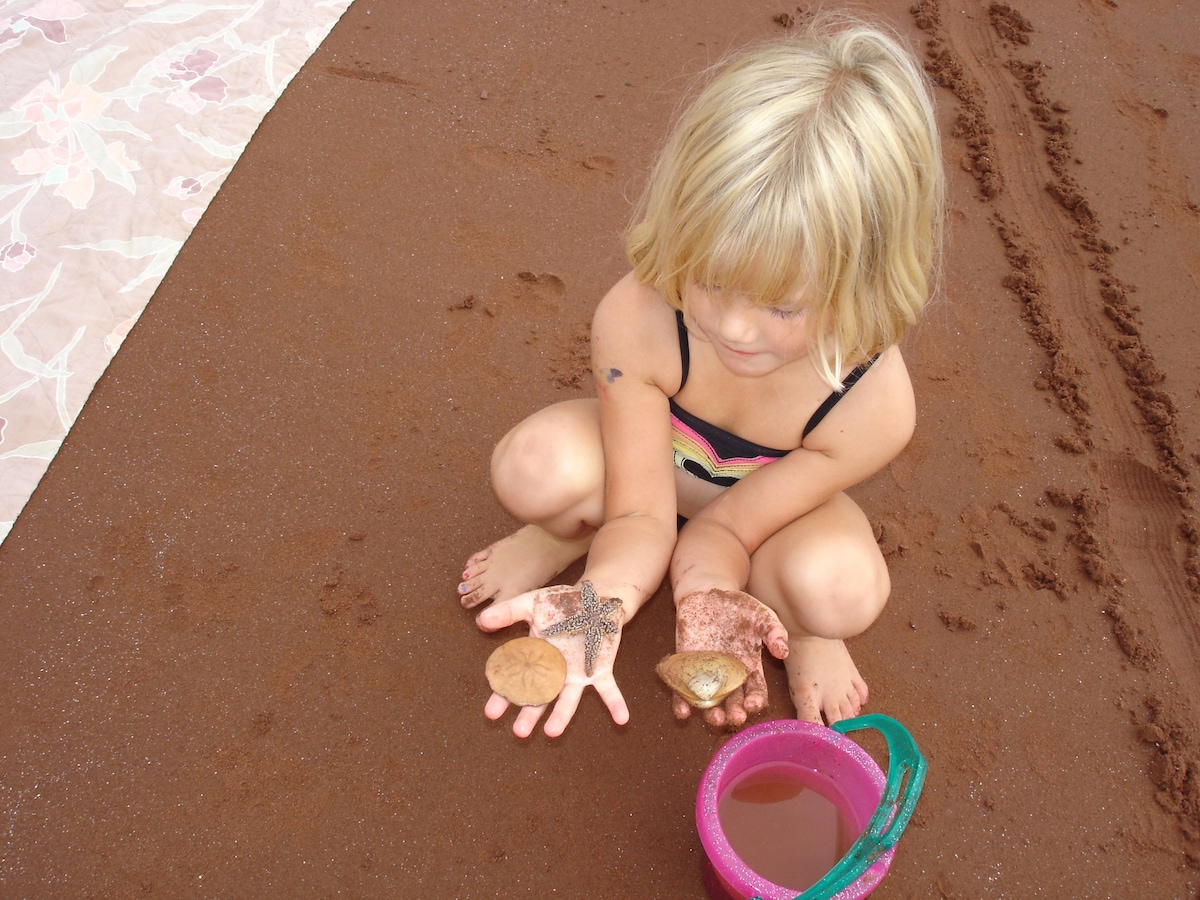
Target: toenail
[462, 588]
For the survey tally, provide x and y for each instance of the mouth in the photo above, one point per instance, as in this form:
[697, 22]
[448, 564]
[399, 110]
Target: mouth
[743, 354]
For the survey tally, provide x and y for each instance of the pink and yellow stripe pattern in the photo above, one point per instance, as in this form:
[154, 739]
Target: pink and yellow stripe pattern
[695, 454]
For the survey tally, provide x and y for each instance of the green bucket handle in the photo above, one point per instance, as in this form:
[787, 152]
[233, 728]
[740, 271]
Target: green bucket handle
[906, 776]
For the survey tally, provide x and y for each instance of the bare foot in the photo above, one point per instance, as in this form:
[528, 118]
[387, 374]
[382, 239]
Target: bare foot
[523, 561]
[823, 680]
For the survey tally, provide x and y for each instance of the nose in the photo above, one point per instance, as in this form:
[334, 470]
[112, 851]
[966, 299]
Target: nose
[736, 325]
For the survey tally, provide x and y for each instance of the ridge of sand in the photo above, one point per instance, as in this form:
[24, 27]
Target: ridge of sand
[1135, 529]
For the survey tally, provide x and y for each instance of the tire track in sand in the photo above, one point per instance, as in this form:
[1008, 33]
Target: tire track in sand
[1136, 533]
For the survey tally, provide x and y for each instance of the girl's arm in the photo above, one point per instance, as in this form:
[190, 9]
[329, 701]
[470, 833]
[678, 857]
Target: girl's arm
[632, 334]
[866, 431]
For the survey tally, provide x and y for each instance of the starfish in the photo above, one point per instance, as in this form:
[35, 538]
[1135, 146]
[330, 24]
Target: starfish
[594, 621]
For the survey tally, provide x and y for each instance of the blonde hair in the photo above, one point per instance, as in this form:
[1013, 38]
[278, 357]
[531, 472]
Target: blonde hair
[807, 165]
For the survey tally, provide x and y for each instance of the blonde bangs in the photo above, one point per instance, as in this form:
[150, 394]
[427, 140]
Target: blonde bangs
[808, 170]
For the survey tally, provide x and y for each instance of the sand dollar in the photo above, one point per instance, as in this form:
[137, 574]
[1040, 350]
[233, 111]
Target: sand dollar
[527, 671]
[702, 677]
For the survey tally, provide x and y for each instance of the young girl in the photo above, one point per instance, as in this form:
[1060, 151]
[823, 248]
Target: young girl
[748, 373]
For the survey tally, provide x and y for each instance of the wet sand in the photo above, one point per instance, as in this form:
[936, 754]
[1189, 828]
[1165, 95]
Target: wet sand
[233, 660]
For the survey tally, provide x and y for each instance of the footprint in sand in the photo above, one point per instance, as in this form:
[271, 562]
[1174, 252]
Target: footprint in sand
[598, 162]
[539, 295]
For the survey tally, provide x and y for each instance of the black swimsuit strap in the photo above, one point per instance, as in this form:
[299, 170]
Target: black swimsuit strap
[685, 353]
[832, 400]
[822, 411]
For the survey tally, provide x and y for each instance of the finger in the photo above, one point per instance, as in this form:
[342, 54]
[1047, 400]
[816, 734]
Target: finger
[495, 707]
[735, 709]
[735, 717]
[754, 691]
[776, 641]
[715, 716]
[564, 710]
[506, 612]
[527, 720]
[611, 695]
[755, 701]
[774, 635]
[680, 707]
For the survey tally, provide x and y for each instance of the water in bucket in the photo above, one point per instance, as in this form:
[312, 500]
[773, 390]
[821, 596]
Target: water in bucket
[787, 822]
[787, 807]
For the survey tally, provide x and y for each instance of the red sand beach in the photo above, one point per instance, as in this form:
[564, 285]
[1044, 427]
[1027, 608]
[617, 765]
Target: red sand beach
[234, 664]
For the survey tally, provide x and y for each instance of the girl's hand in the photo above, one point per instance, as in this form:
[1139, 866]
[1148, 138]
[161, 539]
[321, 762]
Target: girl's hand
[730, 622]
[586, 628]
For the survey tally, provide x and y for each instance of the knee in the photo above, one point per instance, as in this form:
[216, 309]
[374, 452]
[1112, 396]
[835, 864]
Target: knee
[837, 594]
[543, 463]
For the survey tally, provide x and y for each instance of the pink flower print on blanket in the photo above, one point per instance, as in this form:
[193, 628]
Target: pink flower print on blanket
[55, 113]
[16, 256]
[70, 171]
[183, 186]
[196, 86]
[195, 65]
[48, 17]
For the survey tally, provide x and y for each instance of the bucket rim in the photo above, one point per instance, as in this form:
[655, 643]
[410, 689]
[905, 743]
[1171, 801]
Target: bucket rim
[724, 859]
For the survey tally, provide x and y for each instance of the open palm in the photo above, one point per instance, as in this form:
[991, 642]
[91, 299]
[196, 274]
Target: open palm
[585, 628]
[736, 623]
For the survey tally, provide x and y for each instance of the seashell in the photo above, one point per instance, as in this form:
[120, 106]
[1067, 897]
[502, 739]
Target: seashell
[702, 677]
[527, 671]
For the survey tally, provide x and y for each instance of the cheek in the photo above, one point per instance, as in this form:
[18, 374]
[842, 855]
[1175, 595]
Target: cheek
[694, 302]
[795, 339]
[698, 309]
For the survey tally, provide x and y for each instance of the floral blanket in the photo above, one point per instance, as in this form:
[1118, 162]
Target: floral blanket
[119, 120]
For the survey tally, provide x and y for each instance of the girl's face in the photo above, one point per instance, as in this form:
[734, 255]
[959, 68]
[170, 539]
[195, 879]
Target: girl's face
[749, 340]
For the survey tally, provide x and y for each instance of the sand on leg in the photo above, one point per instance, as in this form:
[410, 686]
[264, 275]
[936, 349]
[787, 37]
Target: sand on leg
[549, 473]
[827, 581]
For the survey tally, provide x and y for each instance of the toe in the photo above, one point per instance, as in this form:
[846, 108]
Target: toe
[860, 688]
[807, 708]
[477, 558]
[476, 565]
[472, 598]
[851, 706]
[843, 708]
[474, 591]
[833, 713]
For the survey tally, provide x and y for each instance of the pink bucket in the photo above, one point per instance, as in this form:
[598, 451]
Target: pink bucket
[838, 762]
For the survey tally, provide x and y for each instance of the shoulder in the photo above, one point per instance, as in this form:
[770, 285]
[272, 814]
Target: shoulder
[630, 301]
[879, 411]
[890, 375]
[634, 330]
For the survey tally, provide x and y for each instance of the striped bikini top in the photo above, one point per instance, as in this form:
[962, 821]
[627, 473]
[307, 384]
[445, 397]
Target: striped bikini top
[718, 456]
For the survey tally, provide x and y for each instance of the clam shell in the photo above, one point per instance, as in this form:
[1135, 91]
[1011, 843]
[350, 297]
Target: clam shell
[527, 671]
[702, 677]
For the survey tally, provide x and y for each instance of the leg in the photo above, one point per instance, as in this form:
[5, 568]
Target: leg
[549, 473]
[826, 580]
